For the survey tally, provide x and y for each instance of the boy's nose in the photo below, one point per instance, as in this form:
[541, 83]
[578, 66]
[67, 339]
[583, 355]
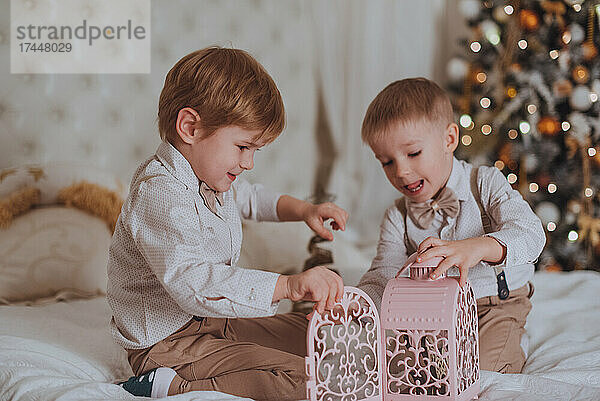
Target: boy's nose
[401, 171]
[247, 163]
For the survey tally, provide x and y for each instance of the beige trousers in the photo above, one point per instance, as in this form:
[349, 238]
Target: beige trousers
[261, 358]
[501, 327]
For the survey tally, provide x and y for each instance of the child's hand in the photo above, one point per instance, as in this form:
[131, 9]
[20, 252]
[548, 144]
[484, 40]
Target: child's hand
[463, 254]
[316, 215]
[318, 284]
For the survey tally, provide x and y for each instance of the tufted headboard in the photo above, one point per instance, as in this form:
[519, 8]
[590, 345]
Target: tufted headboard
[109, 120]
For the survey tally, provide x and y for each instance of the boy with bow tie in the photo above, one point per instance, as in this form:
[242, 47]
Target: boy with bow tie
[470, 216]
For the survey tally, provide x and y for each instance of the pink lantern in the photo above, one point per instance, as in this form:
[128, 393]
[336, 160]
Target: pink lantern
[424, 346]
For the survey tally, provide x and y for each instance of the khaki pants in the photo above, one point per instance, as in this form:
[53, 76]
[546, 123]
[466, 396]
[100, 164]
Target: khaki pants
[501, 326]
[260, 358]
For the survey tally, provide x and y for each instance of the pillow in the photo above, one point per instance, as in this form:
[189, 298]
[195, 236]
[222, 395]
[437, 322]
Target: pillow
[53, 252]
[17, 203]
[51, 178]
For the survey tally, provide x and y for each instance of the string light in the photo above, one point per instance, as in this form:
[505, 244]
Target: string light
[573, 236]
[511, 178]
[593, 97]
[591, 152]
[509, 9]
[522, 44]
[531, 108]
[485, 102]
[486, 129]
[577, 7]
[588, 192]
[475, 46]
[465, 120]
[481, 77]
[566, 37]
[466, 140]
[553, 54]
[551, 226]
[513, 134]
[533, 187]
[552, 188]
[499, 164]
[565, 126]
[524, 127]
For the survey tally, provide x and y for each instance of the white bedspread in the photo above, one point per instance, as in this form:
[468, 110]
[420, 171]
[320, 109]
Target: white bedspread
[64, 351]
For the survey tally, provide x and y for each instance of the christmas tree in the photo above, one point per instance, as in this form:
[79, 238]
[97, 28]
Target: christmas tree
[526, 90]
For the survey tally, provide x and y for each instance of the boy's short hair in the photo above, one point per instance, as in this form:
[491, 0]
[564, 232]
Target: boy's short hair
[411, 99]
[225, 87]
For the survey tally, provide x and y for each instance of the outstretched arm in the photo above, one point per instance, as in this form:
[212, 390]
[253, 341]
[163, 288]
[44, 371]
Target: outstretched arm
[292, 209]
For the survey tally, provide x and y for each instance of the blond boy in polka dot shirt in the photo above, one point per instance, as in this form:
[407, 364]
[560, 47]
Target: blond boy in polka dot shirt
[188, 316]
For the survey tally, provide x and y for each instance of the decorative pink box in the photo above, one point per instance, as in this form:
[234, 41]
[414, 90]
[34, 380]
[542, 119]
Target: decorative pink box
[424, 346]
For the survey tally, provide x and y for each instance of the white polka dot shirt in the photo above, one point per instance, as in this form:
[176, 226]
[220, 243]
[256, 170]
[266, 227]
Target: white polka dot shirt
[171, 257]
[513, 224]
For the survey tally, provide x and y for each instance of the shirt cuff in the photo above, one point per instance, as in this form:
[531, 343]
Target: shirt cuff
[254, 294]
[268, 205]
[498, 237]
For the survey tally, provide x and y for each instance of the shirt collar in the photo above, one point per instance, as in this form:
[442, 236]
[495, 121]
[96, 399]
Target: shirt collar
[177, 165]
[456, 181]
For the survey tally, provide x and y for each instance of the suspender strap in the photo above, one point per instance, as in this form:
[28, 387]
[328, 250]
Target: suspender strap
[410, 248]
[503, 291]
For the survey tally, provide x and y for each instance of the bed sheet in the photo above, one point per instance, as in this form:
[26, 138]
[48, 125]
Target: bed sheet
[64, 351]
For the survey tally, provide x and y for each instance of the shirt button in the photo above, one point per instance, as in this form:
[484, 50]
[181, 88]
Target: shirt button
[252, 295]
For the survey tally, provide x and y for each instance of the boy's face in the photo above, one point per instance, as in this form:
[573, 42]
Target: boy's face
[219, 158]
[417, 157]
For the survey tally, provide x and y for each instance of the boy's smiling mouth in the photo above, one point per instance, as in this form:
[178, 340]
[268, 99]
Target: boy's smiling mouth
[232, 177]
[415, 186]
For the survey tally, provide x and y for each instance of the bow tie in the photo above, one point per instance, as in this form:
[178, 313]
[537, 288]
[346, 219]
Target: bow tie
[210, 197]
[422, 214]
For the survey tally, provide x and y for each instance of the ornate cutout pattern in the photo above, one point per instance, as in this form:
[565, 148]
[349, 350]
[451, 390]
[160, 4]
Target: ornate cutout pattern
[343, 362]
[467, 355]
[417, 362]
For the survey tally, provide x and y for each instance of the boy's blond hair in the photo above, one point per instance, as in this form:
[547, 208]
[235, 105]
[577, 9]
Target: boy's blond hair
[225, 87]
[407, 100]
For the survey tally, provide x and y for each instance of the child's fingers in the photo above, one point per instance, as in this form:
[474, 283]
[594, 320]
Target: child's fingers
[428, 243]
[338, 218]
[441, 269]
[464, 273]
[432, 252]
[318, 227]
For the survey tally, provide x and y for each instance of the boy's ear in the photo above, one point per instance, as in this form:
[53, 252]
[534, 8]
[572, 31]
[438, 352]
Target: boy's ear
[451, 137]
[187, 125]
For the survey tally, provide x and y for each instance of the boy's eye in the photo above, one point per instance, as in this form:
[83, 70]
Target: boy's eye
[388, 163]
[242, 147]
[414, 154]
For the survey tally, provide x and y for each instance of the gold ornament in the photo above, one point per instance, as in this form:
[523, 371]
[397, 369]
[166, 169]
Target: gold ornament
[511, 91]
[562, 88]
[580, 74]
[589, 227]
[556, 9]
[548, 126]
[589, 50]
[596, 157]
[553, 267]
[529, 20]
